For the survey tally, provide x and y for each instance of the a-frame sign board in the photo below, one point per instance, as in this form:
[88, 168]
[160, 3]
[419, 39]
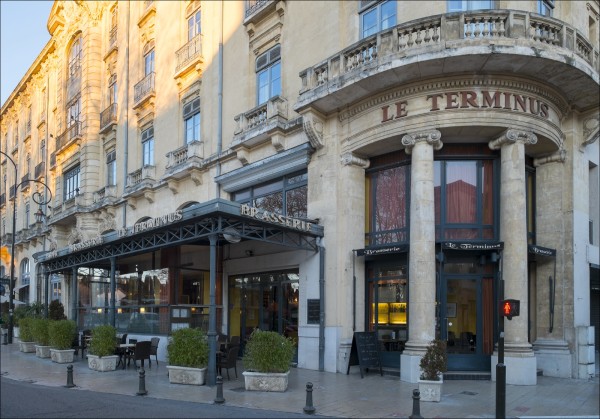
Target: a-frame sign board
[365, 352]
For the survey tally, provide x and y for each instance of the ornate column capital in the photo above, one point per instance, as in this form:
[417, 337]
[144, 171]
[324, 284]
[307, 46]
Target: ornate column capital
[432, 137]
[349, 159]
[511, 136]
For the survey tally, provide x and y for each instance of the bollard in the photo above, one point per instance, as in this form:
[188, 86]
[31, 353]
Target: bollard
[309, 409]
[416, 413]
[142, 390]
[219, 399]
[70, 376]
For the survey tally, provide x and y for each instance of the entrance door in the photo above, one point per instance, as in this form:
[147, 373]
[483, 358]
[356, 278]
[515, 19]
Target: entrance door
[467, 321]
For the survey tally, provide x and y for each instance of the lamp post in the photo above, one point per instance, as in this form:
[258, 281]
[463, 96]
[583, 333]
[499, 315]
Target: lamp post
[39, 199]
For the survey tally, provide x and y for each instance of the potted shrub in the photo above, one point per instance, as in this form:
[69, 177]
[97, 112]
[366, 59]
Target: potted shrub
[267, 359]
[62, 334]
[187, 353]
[56, 310]
[433, 365]
[101, 352]
[41, 337]
[26, 342]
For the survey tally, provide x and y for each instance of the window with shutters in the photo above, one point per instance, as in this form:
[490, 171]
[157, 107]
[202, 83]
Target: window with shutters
[268, 74]
[191, 118]
[376, 16]
[111, 168]
[148, 147]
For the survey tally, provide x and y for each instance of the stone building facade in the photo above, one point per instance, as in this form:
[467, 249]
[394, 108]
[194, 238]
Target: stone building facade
[318, 169]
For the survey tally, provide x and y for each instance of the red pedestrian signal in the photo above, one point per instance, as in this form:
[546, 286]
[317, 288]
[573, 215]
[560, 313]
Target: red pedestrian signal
[510, 308]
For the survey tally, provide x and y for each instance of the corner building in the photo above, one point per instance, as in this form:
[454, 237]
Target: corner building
[318, 169]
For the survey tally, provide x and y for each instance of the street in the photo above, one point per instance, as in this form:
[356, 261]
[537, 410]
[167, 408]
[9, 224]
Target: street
[26, 400]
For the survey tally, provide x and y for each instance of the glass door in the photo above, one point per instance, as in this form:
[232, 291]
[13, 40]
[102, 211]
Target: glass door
[467, 321]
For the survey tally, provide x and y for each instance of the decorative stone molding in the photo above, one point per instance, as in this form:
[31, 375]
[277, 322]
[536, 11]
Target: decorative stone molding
[432, 137]
[243, 155]
[511, 136]
[149, 196]
[196, 176]
[313, 127]
[277, 141]
[106, 222]
[560, 156]
[132, 202]
[349, 159]
[173, 186]
[591, 131]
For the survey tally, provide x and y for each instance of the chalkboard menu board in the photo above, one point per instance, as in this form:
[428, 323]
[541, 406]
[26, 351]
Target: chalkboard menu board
[313, 312]
[365, 352]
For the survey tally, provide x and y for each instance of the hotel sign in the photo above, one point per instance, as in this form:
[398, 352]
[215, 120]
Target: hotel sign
[151, 223]
[542, 251]
[274, 218]
[472, 246]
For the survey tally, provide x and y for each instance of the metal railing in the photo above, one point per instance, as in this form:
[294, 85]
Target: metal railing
[112, 38]
[144, 88]
[108, 116]
[189, 52]
[39, 170]
[71, 133]
[253, 6]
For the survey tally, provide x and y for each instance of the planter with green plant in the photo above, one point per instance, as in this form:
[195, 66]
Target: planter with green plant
[267, 359]
[187, 352]
[101, 351]
[56, 310]
[433, 365]
[26, 342]
[41, 336]
[62, 335]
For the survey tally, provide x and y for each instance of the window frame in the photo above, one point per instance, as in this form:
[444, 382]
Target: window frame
[194, 24]
[71, 183]
[149, 58]
[271, 60]
[470, 5]
[192, 121]
[545, 7]
[25, 271]
[75, 53]
[377, 8]
[111, 168]
[147, 138]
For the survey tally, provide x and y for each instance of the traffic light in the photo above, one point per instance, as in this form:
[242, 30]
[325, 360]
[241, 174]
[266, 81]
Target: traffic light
[510, 308]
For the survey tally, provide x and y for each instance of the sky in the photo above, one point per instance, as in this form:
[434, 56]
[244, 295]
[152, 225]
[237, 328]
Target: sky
[23, 35]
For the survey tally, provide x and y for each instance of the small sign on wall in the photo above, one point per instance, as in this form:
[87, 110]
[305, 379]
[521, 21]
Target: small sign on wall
[313, 311]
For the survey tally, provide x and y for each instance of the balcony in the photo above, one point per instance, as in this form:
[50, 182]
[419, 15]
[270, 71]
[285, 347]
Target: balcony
[262, 122]
[112, 39]
[53, 161]
[257, 10]
[25, 184]
[141, 182]
[39, 170]
[27, 130]
[143, 91]
[108, 119]
[3, 199]
[189, 57]
[491, 41]
[185, 161]
[71, 135]
[105, 196]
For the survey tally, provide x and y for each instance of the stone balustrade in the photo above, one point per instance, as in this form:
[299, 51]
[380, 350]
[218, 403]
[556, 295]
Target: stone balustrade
[183, 154]
[448, 30]
[276, 106]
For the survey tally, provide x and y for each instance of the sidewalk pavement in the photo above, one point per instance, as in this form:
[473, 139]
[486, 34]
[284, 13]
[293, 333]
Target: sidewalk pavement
[337, 395]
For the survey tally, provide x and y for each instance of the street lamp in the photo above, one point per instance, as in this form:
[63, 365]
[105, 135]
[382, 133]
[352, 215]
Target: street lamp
[39, 199]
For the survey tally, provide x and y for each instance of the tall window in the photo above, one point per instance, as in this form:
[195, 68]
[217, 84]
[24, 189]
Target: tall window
[148, 147]
[463, 5]
[27, 216]
[194, 25]
[191, 118]
[25, 271]
[112, 89]
[149, 63]
[71, 183]
[73, 112]
[286, 196]
[268, 74]
[56, 289]
[545, 7]
[75, 57]
[378, 17]
[111, 168]
[42, 151]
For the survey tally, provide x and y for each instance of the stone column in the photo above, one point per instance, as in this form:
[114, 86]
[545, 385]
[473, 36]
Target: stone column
[421, 268]
[519, 358]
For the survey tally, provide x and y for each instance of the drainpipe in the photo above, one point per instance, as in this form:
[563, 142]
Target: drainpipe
[321, 304]
[126, 137]
[220, 110]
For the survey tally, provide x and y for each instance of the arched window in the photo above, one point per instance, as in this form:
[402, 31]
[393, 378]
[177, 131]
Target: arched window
[75, 57]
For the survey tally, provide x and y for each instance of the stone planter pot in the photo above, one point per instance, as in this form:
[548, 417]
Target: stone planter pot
[27, 347]
[15, 331]
[42, 351]
[186, 375]
[62, 356]
[102, 364]
[431, 391]
[266, 381]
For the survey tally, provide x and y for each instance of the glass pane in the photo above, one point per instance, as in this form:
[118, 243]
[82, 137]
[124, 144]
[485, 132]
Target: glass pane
[272, 203]
[388, 14]
[461, 312]
[369, 22]
[390, 207]
[296, 202]
[275, 80]
[487, 194]
[263, 86]
[269, 187]
[457, 5]
[437, 189]
[461, 192]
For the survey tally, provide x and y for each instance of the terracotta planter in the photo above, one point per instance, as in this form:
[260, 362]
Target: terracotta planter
[266, 381]
[62, 356]
[102, 364]
[431, 391]
[27, 347]
[42, 351]
[186, 375]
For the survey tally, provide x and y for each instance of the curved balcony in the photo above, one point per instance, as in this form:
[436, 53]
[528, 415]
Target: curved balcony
[485, 42]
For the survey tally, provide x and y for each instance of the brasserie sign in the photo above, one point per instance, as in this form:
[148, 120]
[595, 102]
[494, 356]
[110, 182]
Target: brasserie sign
[274, 218]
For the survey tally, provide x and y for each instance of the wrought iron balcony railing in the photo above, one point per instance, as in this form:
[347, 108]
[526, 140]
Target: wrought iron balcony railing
[188, 54]
[39, 170]
[108, 117]
[72, 133]
[144, 89]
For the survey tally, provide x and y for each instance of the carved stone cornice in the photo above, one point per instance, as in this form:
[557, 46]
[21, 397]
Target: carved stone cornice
[313, 127]
[349, 159]
[560, 156]
[591, 130]
[511, 136]
[432, 137]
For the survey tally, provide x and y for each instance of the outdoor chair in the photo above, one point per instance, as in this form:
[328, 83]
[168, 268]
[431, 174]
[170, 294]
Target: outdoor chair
[141, 352]
[229, 360]
[154, 348]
